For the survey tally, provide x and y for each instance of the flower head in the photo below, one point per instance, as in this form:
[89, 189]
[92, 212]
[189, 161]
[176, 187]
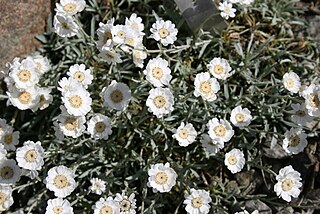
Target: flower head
[30, 155]
[198, 201]
[9, 139]
[64, 25]
[77, 102]
[106, 205]
[300, 114]
[160, 101]
[6, 197]
[164, 31]
[98, 186]
[206, 87]
[312, 99]
[116, 96]
[58, 206]
[234, 160]
[161, 177]
[220, 68]
[220, 130]
[9, 171]
[158, 72]
[99, 126]
[211, 146]
[70, 7]
[291, 81]
[81, 74]
[126, 203]
[226, 10]
[240, 117]
[185, 134]
[295, 141]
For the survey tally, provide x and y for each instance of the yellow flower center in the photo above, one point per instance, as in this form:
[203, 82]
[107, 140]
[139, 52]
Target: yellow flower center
[184, 133]
[163, 32]
[240, 117]
[220, 130]
[290, 83]
[301, 113]
[3, 197]
[6, 172]
[287, 184]
[314, 100]
[196, 202]
[60, 181]
[79, 76]
[65, 25]
[130, 41]
[24, 75]
[75, 101]
[294, 140]
[205, 87]
[39, 65]
[161, 178]
[57, 210]
[8, 138]
[218, 69]
[71, 123]
[137, 55]
[116, 96]
[25, 97]
[232, 160]
[31, 155]
[157, 73]
[125, 205]
[121, 34]
[106, 209]
[159, 101]
[70, 7]
[100, 127]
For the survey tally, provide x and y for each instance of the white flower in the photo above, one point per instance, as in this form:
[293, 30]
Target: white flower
[288, 183]
[165, 31]
[234, 160]
[111, 56]
[9, 67]
[71, 126]
[119, 33]
[45, 98]
[98, 186]
[60, 180]
[220, 68]
[135, 23]
[245, 2]
[185, 134]
[240, 117]
[300, 114]
[246, 212]
[105, 35]
[160, 101]
[138, 57]
[158, 72]
[210, 146]
[30, 156]
[312, 99]
[132, 40]
[198, 202]
[77, 102]
[3, 152]
[226, 10]
[26, 75]
[81, 74]
[64, 25]
[58, 206]
[42, 64]
[68, 84]
[295, 141]
[99, 127]
[291, 81]
[106, 205]
[9, 138]
[220, 130]
[9, 171]
[127, 204]
[116, 96]
[6, 197]
[70, 7]
[161, 177]
[206, 87]
[25, 98]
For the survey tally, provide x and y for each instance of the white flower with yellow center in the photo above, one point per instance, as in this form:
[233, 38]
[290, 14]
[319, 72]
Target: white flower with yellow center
[291, 81]
[77, 102]
[68, 84]
[164, 31]
[64, 25]
[210, 146]
[9, 139]
[99, 127]
[161, 177]
[234, 160]
[135, 23]
[312, 99]
[98, 186]
[70, 7]
[26, 75]
[185, 134]
[158, 72]
[42, 64]
[206, 87]
[300, 114]
[60, 180]
[220, 68]
[30, 156]
[6, 199]
[81, 74]
[9, 172]
[25, 98]
[240, 117]
[295, 141]
[220, 130]
[160, 101]
[139, 56]
[198, 202]
[3, 152]
[116, 96]
[106, 206]
[119, 33]
[127, 204]
[58, 206]
[110, 56]
[45, 98]
[226, 10]
[105, 35]
[288, 183]
[71, 126]
[132, 40]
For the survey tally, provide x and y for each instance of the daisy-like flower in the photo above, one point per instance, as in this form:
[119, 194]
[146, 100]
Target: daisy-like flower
[206, 87]
[6, 199]
[135, 23]
[164, 31]
[25, 98]
[127, 204]
[161, 177]
[198, 202]
[10, 139]
[81, 74]
[68, 84]
[160, 101]
[99, 127]
[240, 117]
[158, 72]
[312, 99]
[291, 81]
[42, 64]
[45, 98]
[295, 141]
[119, 33]
[288, 183]
[70, 7]
[106, 205]
[26, 75]
[138, 57]
[77, 102]
[9, 172]
[234, 160]
[132, 41]
[246, 212]
[220, 130]
[60, 180]
[98, 186]
[116, 96]
[30, 156]
[58, 206]
[210, 146]
[246, 2]
[64, 25]
[110, 56]
[185, 134]
[226, 10]
[220, 68]
[105, 35]
[71, 126]
[3, 152]
[300, 114]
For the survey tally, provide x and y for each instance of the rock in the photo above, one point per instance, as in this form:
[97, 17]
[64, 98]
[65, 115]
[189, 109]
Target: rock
[253, 205]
